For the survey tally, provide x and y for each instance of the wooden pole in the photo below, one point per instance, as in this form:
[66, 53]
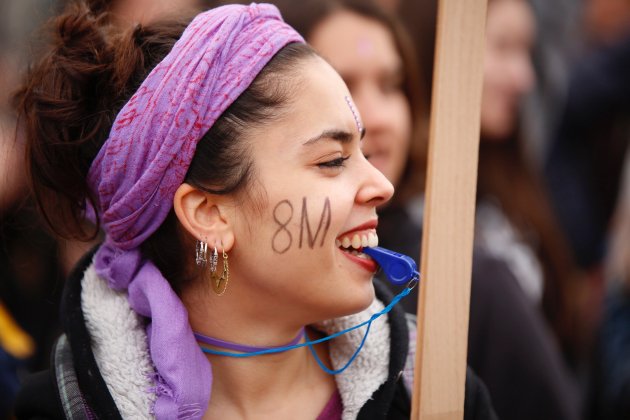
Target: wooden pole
[446, 258]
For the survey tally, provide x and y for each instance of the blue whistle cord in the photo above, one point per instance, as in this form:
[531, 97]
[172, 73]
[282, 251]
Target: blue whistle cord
[310, 344]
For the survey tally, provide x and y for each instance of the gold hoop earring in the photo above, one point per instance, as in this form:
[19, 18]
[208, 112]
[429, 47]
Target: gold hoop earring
[220, 283]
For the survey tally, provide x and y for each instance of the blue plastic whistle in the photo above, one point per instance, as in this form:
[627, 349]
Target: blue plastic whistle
[399, 268]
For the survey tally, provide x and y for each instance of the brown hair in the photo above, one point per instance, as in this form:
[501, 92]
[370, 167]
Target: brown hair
[70, 99]
[304, 16]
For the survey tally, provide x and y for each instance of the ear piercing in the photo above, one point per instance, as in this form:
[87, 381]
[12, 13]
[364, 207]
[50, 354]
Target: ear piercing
[201, 253]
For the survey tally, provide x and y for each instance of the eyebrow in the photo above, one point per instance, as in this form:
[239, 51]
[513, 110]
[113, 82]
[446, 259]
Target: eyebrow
[337, 135]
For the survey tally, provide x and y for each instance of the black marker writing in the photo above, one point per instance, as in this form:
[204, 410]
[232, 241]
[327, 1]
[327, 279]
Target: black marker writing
[282, 239]
[324, 221]
[282, 231]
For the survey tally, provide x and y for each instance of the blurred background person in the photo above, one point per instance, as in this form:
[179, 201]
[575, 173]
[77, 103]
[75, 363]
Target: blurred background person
[584, 163]
[515, 221]
[609, 396]
[590, 155]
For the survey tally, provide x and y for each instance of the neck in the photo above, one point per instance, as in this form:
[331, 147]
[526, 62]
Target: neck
[281, 383]
[229, 346]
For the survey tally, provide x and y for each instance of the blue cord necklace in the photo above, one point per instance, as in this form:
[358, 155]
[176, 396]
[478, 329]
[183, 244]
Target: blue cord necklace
[399, 269]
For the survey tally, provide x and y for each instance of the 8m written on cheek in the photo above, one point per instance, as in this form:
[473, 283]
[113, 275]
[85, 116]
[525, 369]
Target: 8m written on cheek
[282, 239]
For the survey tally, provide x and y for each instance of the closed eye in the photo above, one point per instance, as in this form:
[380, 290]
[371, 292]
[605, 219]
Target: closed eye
[335, 163]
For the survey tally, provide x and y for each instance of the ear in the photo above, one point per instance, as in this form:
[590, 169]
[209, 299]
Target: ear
[200, 214]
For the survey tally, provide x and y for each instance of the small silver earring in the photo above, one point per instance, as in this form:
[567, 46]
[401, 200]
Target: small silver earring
[214, 260]
[201, 253]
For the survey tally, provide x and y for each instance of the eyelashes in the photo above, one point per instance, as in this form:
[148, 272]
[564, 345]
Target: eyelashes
[335, 163]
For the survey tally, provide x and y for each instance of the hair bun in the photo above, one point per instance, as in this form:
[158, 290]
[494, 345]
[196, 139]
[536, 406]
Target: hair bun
[70, 96]
[79, 34]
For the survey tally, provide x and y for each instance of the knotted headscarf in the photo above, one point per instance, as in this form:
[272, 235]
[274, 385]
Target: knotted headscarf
[145, 159]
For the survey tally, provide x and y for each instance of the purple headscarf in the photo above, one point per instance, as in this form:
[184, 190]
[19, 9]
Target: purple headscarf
[145, 159]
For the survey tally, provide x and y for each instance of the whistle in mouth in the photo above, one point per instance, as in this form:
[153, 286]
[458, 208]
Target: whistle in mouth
[399, 268]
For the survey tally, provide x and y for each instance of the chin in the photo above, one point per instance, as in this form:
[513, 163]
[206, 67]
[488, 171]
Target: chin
[359, 301]
[497, 133]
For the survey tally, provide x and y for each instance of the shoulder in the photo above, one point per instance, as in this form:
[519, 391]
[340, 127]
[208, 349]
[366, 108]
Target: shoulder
[53, 393]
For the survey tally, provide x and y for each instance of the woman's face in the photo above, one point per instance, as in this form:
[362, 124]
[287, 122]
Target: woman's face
[508, 72]
[319, 193]
[363, 51]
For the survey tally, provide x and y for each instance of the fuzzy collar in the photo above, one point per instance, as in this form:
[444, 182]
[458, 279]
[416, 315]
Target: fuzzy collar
[119, 344]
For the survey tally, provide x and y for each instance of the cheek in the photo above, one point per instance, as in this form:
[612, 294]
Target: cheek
[405, 123]
[401, 138]
[494, 70]
[493, 94]
[302, 225]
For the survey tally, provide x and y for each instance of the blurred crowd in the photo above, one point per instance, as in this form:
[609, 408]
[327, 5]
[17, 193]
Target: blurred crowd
[550, 293]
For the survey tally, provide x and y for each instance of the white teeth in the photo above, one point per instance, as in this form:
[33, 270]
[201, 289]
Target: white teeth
[358, 241]
[372, 240]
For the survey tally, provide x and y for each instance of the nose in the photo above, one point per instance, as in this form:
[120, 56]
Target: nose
[375, 189]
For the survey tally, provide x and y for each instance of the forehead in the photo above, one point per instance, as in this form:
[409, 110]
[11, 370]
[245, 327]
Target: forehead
[354, 43]
[319, 103]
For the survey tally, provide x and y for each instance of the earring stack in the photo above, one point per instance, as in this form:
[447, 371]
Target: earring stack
[219, 282]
